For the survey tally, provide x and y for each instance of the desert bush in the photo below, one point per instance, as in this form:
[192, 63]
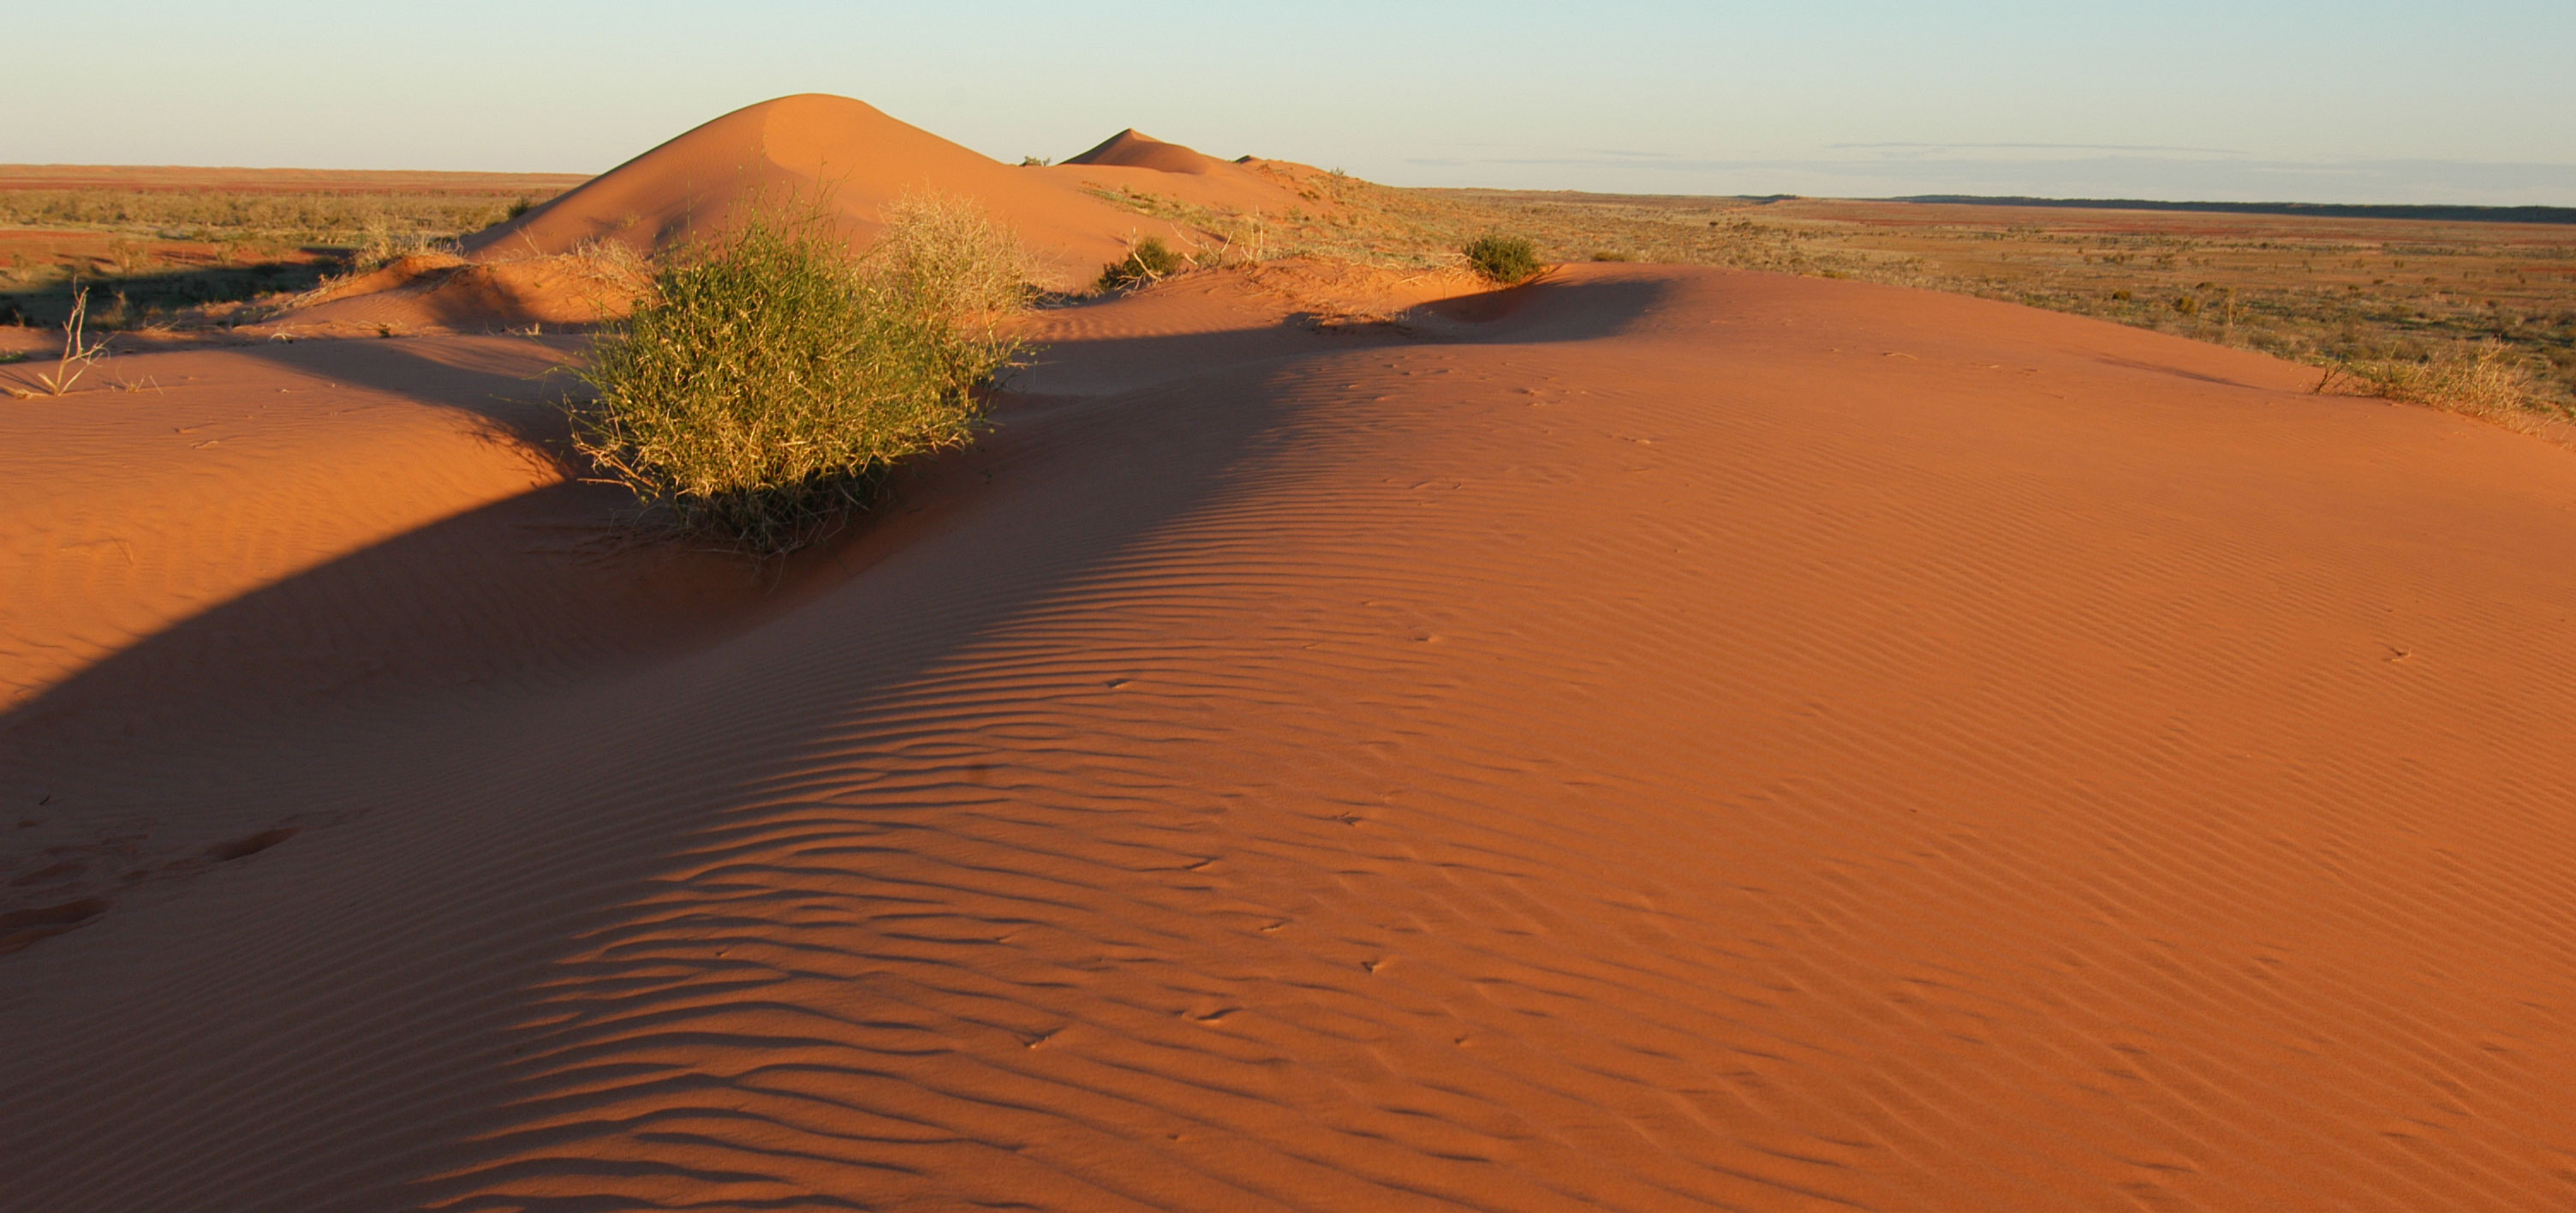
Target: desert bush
[1147, 260]
[2480, 381]
[945, 257]
[1504, 259]
[766, 378]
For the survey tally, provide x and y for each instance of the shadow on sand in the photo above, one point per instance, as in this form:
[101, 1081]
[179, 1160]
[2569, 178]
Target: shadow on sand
[521, 735]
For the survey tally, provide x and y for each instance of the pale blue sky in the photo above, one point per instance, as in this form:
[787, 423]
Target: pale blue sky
[2471, 101]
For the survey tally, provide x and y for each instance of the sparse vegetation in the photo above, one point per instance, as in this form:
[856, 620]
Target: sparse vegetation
[310, 218]
[1148, 260]
[767, 378]
[160, 251]
[1342, 219]
[2315, 288]
[1504, 259]
[80, 351]
[2483, 381]
[383, 246]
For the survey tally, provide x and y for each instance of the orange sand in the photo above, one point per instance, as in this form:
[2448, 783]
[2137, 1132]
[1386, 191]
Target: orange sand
[1655, 739]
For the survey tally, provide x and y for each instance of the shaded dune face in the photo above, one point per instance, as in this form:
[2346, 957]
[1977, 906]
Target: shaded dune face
[1670, 739]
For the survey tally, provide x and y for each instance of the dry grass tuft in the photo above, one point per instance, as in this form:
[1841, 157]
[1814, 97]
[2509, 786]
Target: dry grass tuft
[951, 259]
[2484, 381]
[79, 354]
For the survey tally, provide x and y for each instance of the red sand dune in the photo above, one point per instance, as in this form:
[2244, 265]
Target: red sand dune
[1140, 164]
[1654, 739]
[783, 152]
[815, 145]
[1131, 149]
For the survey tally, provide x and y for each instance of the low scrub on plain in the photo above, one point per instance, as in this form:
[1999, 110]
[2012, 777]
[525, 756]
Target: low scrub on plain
[767, 378]
[219, 214]
[1504, 259]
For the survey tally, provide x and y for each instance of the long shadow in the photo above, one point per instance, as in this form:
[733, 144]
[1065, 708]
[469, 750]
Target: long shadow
[167, 290]
[322, 699]
[524, 584]
[512, 383]
[484, 707]
[1544, 312]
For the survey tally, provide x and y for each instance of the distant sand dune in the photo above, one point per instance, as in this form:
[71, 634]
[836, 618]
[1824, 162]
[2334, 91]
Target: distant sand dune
[1130, 149]
[835, 153]
[814, 146]
[1658, 739]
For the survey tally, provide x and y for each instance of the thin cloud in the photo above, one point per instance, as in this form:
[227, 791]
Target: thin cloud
[2037, 147]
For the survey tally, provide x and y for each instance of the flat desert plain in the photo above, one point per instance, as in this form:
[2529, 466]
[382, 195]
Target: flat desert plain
[1658, 737]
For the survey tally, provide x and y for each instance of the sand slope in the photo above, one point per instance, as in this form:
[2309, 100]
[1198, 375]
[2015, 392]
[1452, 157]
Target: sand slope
[1658, 739]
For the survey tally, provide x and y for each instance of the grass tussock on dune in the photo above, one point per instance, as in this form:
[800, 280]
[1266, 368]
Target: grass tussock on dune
[767, 377]
[2485, 381]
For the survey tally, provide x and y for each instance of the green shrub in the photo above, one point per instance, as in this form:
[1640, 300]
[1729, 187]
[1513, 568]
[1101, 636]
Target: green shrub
[766, 379]
[1504, 259]
[1148, 260]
